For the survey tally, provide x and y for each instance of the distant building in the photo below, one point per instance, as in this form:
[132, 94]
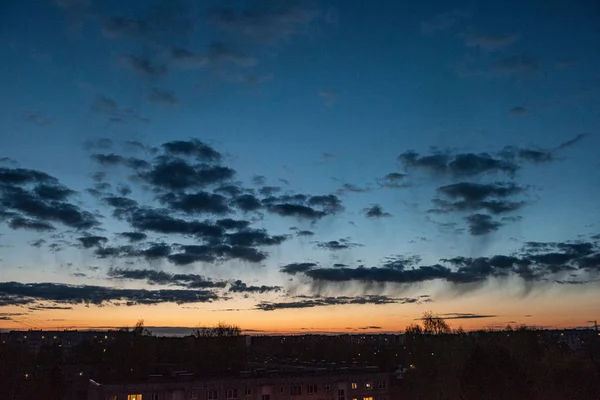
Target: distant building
[66, 339]
[322, 385]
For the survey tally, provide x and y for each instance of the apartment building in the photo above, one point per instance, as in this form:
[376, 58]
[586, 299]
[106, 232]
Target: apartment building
[324, 385]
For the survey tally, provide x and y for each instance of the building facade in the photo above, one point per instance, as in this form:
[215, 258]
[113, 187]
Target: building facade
[322, 386]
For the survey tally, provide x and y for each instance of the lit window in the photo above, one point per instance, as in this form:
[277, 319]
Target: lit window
[248, 391]
[134, 397]
[212, 395]
[353, 385]
[231, 394]
[25, 337]
[281, 389]
[368, 386]
[367, 398]
[81, 373]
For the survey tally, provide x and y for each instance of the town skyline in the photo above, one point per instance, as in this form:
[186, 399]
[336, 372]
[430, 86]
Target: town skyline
[317, 166]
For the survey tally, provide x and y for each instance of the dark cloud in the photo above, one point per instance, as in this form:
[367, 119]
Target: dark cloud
[335, 245]
[53, 192]
[143, 66]
[264, 21]
[233, 224]
[535, 156]
[44, 307]
[230, 190]
[122, 205]
[459, 165]
[518, 110]
[92, 241]
[476, 196]
[40, 202]
[115, 113]
[465, 316]
[269, 190]
[30, 225]
[191, 281]
[317, 301]
[190, 254]
[295, 268]
[254, 237]
[302, 206]
[364, 328]
[349, 188]
[536, 262]
[134, 236]
[155, 251]
[259, 180]
[124, 190]
[330, 203]
[305, 233]
[177, 174]
[15, 293]
[482, 224]
[298, 211]
[247, 202]
[572, 141]
[240, 287]
[147, 219]
[400, 262]
[376, 211]
[116, 160]
[197, 203]
[37, 243]
[381, 275]
[162, 97]
[21, 176]
[7, 160]
[218, 56]
[393, 180]
[192, 148]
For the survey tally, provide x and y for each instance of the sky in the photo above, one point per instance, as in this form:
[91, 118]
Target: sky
[323, 166]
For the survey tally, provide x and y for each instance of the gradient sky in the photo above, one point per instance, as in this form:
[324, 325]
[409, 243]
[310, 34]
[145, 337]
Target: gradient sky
[299, 165]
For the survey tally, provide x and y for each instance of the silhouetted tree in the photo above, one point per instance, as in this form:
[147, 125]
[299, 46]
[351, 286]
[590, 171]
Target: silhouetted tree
[220, 330]
[434, 324]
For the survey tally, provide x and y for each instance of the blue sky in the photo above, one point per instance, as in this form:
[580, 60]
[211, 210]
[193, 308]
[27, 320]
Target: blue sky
[449, 132]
